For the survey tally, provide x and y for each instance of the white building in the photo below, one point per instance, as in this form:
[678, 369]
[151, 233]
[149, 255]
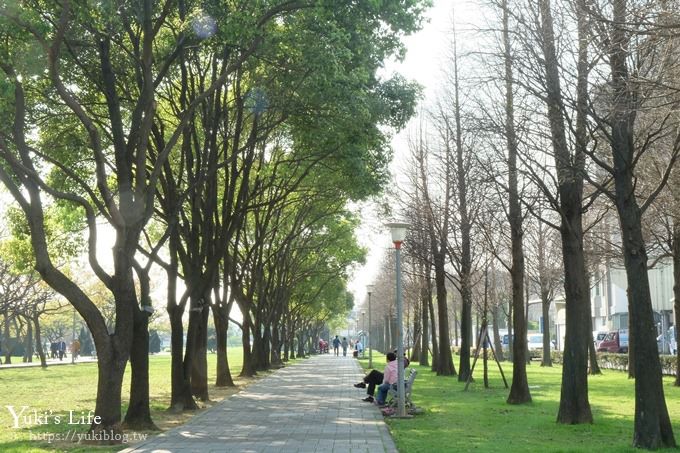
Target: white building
[609, 300]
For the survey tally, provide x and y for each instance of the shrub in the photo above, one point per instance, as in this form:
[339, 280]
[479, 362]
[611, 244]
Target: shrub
[614, 361]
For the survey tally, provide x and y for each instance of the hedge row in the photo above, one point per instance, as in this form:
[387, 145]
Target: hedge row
[613, 361]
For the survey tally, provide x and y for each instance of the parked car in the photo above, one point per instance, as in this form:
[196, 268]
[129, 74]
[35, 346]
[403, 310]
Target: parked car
[615, 341]
[598, 336]
[535, 345]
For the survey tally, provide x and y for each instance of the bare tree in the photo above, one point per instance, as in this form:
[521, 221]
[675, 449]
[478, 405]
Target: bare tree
[638, 79]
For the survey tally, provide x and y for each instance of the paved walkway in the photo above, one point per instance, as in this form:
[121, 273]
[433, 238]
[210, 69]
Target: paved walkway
[310, 406]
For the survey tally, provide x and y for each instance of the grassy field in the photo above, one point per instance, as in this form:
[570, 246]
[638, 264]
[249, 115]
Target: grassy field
[59, 389]
[479, 420]
[453, 420]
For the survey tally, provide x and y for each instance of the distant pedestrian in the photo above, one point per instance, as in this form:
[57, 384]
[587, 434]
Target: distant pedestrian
[336, 345]
[345, 345]
[61, 348]
[54, 347]
[75, 349]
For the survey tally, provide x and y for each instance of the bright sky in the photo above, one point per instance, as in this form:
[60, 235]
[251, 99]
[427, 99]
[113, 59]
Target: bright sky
[423, 63]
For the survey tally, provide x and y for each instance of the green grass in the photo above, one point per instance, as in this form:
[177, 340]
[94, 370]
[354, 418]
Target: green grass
[479, 420]
[453, 420]
[65, 388]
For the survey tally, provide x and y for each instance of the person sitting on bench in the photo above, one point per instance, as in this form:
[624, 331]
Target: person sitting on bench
[375, 377]
[389, 378]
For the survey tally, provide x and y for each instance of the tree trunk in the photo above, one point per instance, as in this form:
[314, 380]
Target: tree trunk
[574, 403]
[511, 337]
[456, 324]
[497, 344]
[180, 386]
[301, 344]
[111, 362]
[248, 369]
[28, 345]
[285, 327]
[220, 318]
[652, 424]
[5, 340]
[425, 334]
[416, 352]
[465, 324]
[445, 365]
[519, 391]
[394, 332]
[196, 359]
[594, 367]
[259, 359]
[545, 305]
[267, 346]
[676, 291]
[180, 393]
[433, 328]
[275, 355]
[38, 341]
[138, 415]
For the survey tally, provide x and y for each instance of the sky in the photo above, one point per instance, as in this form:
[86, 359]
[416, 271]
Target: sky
[424, 64]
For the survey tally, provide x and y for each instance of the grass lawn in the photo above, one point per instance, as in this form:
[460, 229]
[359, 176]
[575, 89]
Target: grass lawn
[479, 420]
[59, 389]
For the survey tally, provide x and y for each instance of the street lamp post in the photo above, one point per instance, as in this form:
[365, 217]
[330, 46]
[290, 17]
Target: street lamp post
[369, 290]
[363, 331]
[398, 232]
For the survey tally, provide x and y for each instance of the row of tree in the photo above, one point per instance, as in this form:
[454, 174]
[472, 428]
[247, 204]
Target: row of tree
[565, 116]
[217, 141]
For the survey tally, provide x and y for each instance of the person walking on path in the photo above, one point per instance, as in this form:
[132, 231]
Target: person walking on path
[336, 345]
[62, 349]
[345, 345]
[75, 349]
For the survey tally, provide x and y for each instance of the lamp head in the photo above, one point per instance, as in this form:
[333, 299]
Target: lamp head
[398, 232]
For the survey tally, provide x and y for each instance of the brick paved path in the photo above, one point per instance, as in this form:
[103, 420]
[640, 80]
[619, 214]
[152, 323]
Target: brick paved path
[310, 406]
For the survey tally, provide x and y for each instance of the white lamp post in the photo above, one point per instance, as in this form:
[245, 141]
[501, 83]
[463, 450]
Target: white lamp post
[369, 290]
[398, 231]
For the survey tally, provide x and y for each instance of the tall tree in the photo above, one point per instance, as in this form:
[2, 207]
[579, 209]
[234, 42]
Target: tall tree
[519, 391]
[437, 221]
[574, 403]
[120, 58]
[623, 121]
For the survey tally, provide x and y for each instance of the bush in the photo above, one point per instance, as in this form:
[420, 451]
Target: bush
[614, 361]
